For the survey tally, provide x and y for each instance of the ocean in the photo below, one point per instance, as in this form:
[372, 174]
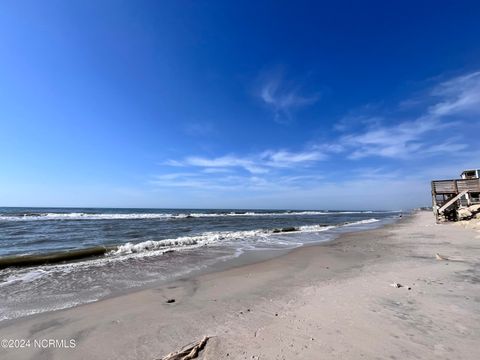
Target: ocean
[95, 253]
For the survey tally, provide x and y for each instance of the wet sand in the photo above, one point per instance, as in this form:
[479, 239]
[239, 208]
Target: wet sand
[329, 301]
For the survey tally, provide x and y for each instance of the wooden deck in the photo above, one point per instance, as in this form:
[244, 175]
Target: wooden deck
[448, 195]
[455, 186]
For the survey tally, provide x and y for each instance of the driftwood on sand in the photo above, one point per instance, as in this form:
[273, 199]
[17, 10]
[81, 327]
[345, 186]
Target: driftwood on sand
[440, 257]
[449, 258]
[188, 351]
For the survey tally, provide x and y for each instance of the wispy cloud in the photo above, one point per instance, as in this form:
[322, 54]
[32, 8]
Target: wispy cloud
[226, 161]
[453, 145]
[216, 170]
[457, 97]
[174, 176]
[318, 169]
[398, 141]
[283, 97]
[255, 164]
[201, 182]
[264, 172]
[284, 158]
[171, 162]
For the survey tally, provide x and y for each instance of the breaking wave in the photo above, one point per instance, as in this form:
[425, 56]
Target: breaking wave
[158, 247]
[217, 237]
[133, 216]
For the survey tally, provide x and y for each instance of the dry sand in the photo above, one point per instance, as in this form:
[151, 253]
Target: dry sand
[330, 301]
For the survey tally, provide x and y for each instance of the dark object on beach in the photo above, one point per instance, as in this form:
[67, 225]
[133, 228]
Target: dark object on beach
[276, 314]
[287, 229]
[409, 288]
[396, 285]
[188, 351]
[169, 301]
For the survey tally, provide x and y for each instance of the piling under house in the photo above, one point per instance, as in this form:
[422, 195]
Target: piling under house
[455, 199]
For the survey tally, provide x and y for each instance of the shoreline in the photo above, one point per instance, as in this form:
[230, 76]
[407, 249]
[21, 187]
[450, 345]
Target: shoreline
[177, 264]
[273, 308]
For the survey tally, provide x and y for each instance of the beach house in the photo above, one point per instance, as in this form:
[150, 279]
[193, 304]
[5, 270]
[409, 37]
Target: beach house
[456, 199]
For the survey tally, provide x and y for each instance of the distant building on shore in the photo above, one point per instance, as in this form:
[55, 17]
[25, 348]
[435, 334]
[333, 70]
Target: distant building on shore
[456, 199]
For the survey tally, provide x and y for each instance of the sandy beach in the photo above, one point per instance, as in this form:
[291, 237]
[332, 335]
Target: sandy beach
[329, 301]
[216, 180]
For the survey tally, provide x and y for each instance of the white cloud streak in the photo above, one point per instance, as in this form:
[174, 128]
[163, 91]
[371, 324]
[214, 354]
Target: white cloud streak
[282, 170]
[457, 97]
[284, 158]
[399, 141]
[460, 96]
[283, 99]
[255, 164]
[226, 162]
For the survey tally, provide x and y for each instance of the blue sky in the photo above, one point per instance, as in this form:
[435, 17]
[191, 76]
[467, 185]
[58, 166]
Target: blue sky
[261, 104]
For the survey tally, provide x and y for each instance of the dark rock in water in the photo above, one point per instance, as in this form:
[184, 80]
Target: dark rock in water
[55, 257]
[168, 251]
[287, 229]
[169, 301]
[33, 214]
[189, 217]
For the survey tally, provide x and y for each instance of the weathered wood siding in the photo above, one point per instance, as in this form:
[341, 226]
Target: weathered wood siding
[455, 186]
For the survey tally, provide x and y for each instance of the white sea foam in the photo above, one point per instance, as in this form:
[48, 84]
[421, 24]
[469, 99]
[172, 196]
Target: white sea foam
[84, 216]
[208, 238]
[28, 276]
[225, 238]
[133, 216]
[15, 314]
[315, 228]
[360, 222]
